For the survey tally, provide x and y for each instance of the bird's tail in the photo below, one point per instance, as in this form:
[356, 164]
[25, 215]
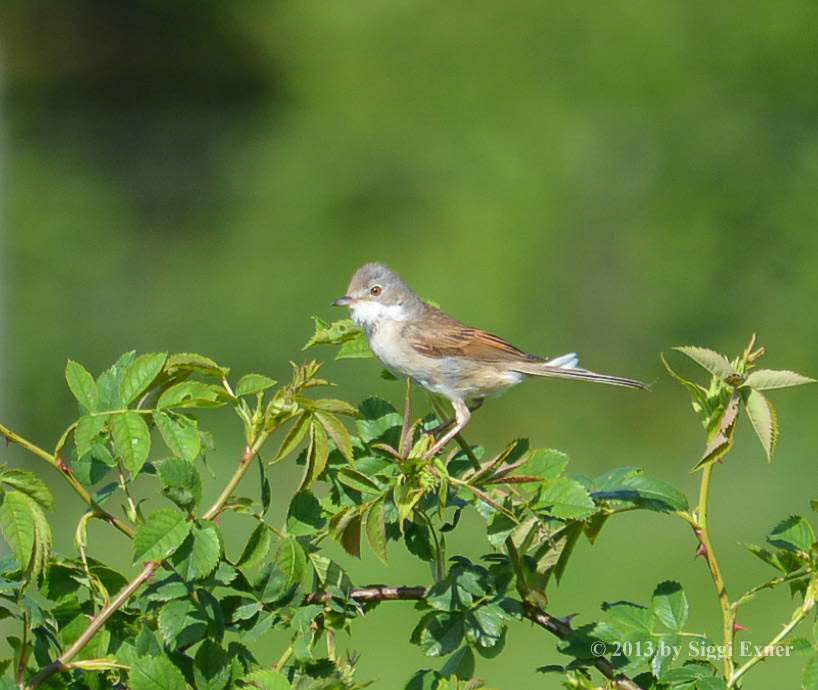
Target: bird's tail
[565, 367]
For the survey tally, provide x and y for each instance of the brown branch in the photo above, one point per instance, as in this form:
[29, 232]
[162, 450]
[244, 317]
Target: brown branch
[61, 663]
[555, 626]
[563, 630]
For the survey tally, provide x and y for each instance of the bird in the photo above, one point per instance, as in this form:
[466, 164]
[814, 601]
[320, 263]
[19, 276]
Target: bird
[461, 363]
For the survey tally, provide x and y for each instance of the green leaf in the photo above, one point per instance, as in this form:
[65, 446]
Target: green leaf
[181, 482]
[192, 394]
[294, 436]
[317, 454]
[379, 422]
[358, 481]
[670, 605]
[441, 633]
[337, 432]
[88, 428]
[82, 385]
[190, 362]
[163, 533]
[253, 383]
[354, 348]
[376, 529]
[711, 683]
[635, 488]
[566, 498]
[304, 516]
[139, 375]
[545, 463]
[334, 406]
[255, 550]
[809, 677]
[715, 363]
[108, 383]
[17, 526]
[211, 667]
[199, 554]
[764, 420]
[182, 622]
[155, 673]
[720, 437]
[267, 680]
[767, 379]
[628, 617]
[291, 561]
[132, 440]
[792, 534]
[29, 483]
[350, 536]
[180, 434]
[332, 334]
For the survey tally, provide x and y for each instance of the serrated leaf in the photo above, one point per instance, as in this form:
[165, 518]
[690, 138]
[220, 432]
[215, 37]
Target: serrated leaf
[267, 680]
[767, 379]
[376, 529]
[294, 436]
[379, 422]
[199, 554]
[544, 463]
[720, 439]
[88, 428]
[253, 383]
[211, 667]
[17, 526]
[640, 490]
[182, 622]
[192, 394]
[792, 534]
[337, 432]
[317, 454]
[355, 348]
[291, 560]
[441, 633]
[670, 605]
[256, 549]
[714, 362]
[809, 677]
[180, 434]
[304, 516]
[334, 406]
[162, 533]
[192, 362]
[139, 375]
[155, 673]
[331, 333]
[181, 482]
[132, 440]
[82, 385]
[764, 420]
[350, 537]
[566, 498]
[358, 481]
[30, 484]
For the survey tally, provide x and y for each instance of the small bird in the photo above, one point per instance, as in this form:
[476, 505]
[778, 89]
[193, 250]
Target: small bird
[444, 356]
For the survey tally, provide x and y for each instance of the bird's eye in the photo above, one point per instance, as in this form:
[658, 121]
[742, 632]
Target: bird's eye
[375, 290]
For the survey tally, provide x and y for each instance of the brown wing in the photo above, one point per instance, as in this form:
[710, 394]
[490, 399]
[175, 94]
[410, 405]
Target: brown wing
[443, 336]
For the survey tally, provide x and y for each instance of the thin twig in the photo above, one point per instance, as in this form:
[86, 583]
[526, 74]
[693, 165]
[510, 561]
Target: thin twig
[61, 663]
[65, 471]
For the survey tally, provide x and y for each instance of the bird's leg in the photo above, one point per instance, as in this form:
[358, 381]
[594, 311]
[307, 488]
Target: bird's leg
[472, 405]
[461, 418]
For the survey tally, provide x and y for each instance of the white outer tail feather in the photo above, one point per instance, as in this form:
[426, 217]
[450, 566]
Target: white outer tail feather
[566, 361]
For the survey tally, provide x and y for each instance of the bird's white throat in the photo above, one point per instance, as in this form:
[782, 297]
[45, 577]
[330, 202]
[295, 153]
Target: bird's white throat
[368, 313]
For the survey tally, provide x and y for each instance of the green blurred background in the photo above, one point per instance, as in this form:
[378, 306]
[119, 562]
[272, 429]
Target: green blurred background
[610, 178]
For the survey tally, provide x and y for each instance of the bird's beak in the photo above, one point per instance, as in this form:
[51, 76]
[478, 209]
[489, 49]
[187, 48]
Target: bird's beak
[342, 301]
